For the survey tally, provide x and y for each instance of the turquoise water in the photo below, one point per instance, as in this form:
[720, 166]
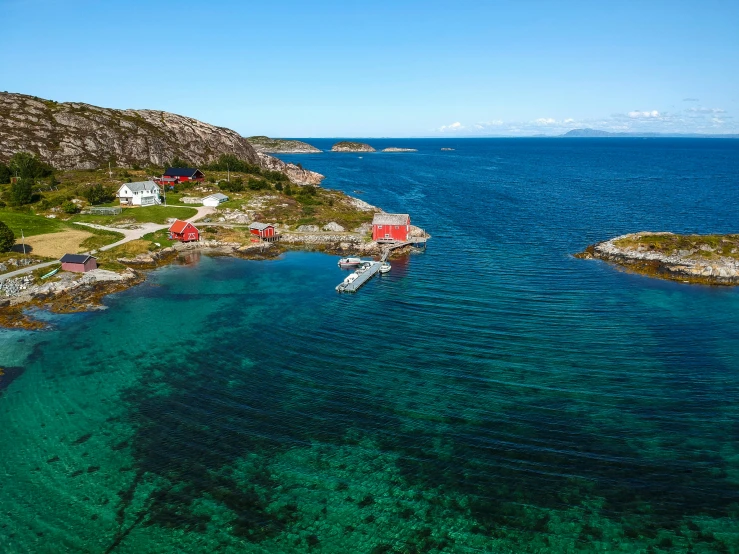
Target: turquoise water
[492, 394]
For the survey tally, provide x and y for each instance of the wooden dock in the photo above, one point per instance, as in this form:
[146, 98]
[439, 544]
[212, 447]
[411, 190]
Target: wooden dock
[362, 278]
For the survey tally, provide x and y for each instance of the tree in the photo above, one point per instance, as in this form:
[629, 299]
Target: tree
[26, 165]
[21, 192]
[5, 174]
[98, 194]
[7, 238]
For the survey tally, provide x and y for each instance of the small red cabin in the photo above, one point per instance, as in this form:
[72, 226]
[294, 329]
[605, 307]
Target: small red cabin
[183, 231]
[262, 230]
[391, 227]
[78, 263]
[175, 175]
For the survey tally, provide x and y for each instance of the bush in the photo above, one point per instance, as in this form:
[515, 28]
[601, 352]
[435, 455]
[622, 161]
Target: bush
[7, 238]
[237, 185]
[288, 190]
[70, 208]
[21, 192]
[98, 194]
[278, 186]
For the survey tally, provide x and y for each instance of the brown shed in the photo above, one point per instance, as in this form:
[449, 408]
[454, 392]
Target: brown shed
[79, 263]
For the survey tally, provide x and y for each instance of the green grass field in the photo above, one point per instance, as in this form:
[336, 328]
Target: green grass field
[152, 214]
[30, 224]
[161, 236]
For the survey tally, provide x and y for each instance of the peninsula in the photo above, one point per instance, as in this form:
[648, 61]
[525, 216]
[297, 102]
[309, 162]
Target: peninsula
[701, 259]
[67, 172]
[349, 146]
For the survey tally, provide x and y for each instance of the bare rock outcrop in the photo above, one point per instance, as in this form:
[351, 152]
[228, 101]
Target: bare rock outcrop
[73, 135]
[349, 146]
[704, 259]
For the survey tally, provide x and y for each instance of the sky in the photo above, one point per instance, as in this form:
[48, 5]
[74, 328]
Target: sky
[387, 68]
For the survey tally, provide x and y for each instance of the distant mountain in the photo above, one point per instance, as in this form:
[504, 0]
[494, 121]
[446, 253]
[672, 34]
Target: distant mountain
[595, 133]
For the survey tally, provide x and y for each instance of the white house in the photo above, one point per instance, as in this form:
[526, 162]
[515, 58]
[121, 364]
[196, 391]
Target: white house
[214, 199]
[144, 193]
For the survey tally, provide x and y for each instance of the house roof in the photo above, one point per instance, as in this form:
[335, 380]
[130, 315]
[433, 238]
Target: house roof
[218, 196]
[180, 171]
[179, 226]
[390, 219]
[75, 258]
[148, 186]
[260, 226]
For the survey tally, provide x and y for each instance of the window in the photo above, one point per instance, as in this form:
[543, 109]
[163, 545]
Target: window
[379, 226]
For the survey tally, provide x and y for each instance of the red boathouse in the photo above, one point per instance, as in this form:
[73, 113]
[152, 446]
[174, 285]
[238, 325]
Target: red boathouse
[391, 227]
[183, 231]
[264, 231]
[78, 263]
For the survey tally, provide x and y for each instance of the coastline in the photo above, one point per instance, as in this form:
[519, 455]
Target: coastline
[85, 292]
[695, 259]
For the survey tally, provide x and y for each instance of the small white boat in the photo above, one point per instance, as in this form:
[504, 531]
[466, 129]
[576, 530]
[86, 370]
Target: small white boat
[385, 267]
[345, 262]
[351, 278]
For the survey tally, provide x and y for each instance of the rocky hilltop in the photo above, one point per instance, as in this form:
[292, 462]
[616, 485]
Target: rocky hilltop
[705, 259]
[72, 135]
[281, 146]
[349, 146]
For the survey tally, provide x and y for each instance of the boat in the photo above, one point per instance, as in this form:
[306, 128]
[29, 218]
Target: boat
[345, 262]
[52, 272]
[385, 267]
[351, 278]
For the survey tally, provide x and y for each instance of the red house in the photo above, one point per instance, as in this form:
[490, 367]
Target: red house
[175, 175]
[264, 231]
[78, 263]
[183, 231]
[391, 227]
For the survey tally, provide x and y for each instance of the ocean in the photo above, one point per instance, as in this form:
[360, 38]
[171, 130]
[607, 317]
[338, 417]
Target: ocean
[491, 394]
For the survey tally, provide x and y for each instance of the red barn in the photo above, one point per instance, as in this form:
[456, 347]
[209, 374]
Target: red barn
[78, 263]
[263, 230]
[183, 231]
[391, 227]
[175, 175]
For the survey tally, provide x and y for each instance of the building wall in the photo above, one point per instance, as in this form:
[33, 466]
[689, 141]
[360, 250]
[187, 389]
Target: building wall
[396, 232]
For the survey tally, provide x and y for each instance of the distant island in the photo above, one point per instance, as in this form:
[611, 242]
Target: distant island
[448, 149]
[702, 259]
[349, 146]
[395, 149]
[281, 146]
[595, 133]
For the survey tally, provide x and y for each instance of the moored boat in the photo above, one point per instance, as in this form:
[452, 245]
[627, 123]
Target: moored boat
[385, 267]
[346, 262]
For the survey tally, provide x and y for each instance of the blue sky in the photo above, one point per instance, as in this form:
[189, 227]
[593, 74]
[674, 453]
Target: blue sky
[380, 68]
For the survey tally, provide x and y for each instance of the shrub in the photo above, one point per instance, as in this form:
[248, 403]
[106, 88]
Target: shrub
[21, 192]
[70, 208]
[98, 194]
[278, 186]
[7, 238]
[237, 185]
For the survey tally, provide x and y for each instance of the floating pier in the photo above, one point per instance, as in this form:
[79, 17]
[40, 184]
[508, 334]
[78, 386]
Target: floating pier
[362, 277]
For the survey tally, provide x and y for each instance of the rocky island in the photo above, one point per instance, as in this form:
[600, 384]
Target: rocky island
[702, 259]
[349, 146]
[281, 146]
[396, 149]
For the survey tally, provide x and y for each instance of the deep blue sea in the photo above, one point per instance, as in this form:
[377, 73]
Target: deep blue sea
[491, 394]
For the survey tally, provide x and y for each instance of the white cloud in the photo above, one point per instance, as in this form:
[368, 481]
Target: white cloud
[545, 121]
[690, 100]
[568, 121]
[456, 126]
[638, 114]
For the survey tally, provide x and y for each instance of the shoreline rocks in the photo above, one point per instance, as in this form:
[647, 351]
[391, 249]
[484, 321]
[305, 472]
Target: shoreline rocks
[700, 259]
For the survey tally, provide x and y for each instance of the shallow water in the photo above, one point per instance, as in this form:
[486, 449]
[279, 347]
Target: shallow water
[492, 394]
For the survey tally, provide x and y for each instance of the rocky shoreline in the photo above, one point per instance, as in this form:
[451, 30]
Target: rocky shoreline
[73, 292]
[699, 259]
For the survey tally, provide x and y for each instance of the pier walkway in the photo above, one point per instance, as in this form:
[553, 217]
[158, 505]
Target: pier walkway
[361, 279]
